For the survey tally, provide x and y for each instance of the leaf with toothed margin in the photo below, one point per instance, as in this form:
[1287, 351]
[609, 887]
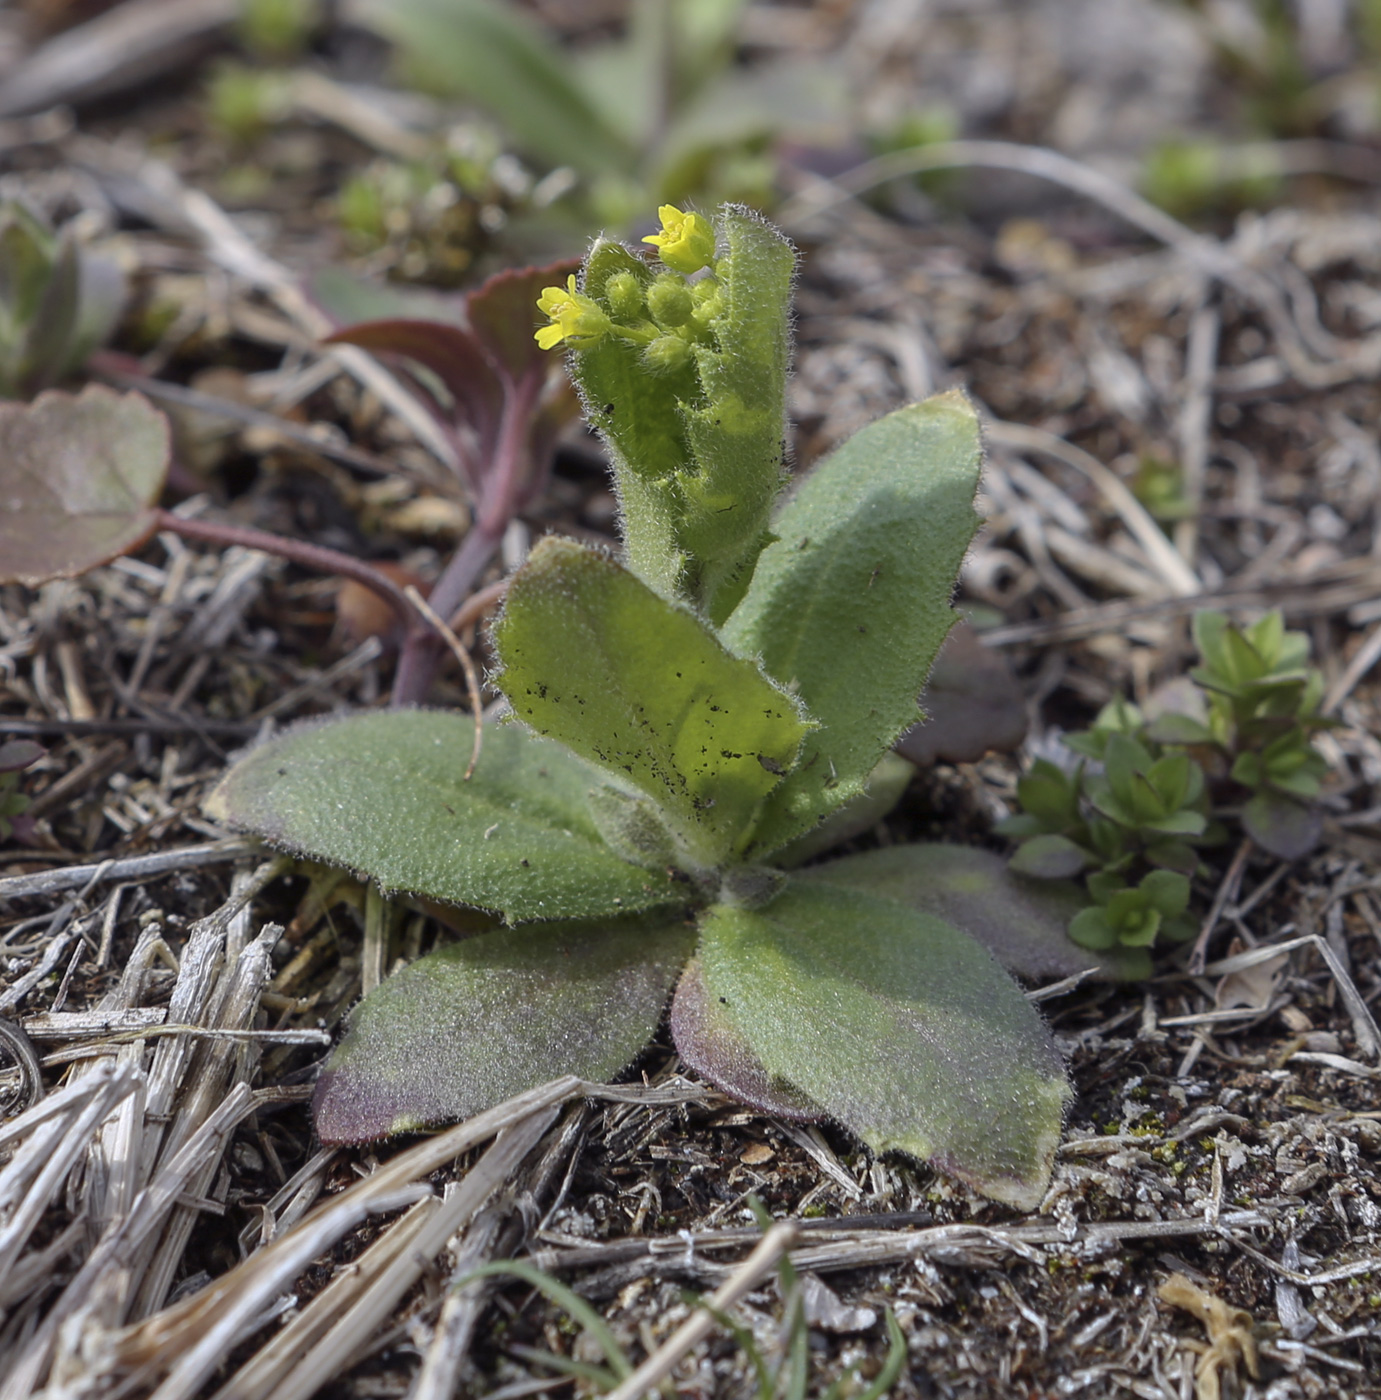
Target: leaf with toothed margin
[898, 1025]
[479, 1021]
[1020, 922]
[712, 1045]
[385, 794]
[594, 658]
[851, 603]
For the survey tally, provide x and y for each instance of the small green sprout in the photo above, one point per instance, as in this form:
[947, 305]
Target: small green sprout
[15, 756]
[58, 301]
[1145, 794]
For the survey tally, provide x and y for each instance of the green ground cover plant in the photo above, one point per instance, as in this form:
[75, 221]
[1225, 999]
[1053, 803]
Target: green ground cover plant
[686, 720]
[1228, 744]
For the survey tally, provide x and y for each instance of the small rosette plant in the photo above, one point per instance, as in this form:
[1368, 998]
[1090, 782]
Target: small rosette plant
[689, 721]
[1146, 791]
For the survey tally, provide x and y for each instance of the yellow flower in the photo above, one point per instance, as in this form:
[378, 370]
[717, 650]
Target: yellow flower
[686, 242]
[574, 316]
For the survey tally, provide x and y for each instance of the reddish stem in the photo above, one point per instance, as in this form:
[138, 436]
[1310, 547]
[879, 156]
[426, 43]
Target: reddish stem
[310, 556]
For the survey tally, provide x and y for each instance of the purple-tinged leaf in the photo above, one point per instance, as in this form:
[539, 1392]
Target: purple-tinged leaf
[503, 315]
[451, 353]
[484, 1019]
[79, 479]
[18, 754]
[972, 702]
[1281, 826]
[1021, 922]
[900, 1026]
[712, 1045]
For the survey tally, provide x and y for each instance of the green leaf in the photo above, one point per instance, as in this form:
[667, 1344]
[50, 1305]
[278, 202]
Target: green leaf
[82, 475]
[886, 784]
[1172, 728]
[385, 794]
[1049, 858]
[1090, 928]
[492, 54]
[1167, 892]
[1047, 792]
[737, 432]
[900, 1026]
[1020, 922]
[593, 657]
[1209, 629]
[849, 606]
[1178, 824]
[712, 1045]
[482, 1020]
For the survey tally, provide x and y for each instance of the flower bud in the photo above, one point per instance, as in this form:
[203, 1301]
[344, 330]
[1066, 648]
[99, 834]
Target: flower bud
[625, 295]
[669, 301]
[667, 352]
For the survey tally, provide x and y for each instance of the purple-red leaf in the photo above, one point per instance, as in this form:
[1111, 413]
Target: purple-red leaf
[973, 703]
[79, 479]
[18, 754]
[709, 1042]
[451, 353]
[503, 314]
[1285, 828]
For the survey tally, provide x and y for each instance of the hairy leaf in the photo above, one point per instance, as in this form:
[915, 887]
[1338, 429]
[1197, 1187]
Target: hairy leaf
[900, 1026]
[712, 1045]
[886, 784]
[482, 1020]
[849, 606]
[1020, 922]
[594, 658]
[79, 478]
[385, 794]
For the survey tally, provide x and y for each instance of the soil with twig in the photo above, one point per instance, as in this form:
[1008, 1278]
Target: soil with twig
[169, 1225]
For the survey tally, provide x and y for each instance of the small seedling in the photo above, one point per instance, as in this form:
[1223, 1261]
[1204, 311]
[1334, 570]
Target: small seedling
[684, 717]
[1143, 794]
[15, 756]
[58, 301]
